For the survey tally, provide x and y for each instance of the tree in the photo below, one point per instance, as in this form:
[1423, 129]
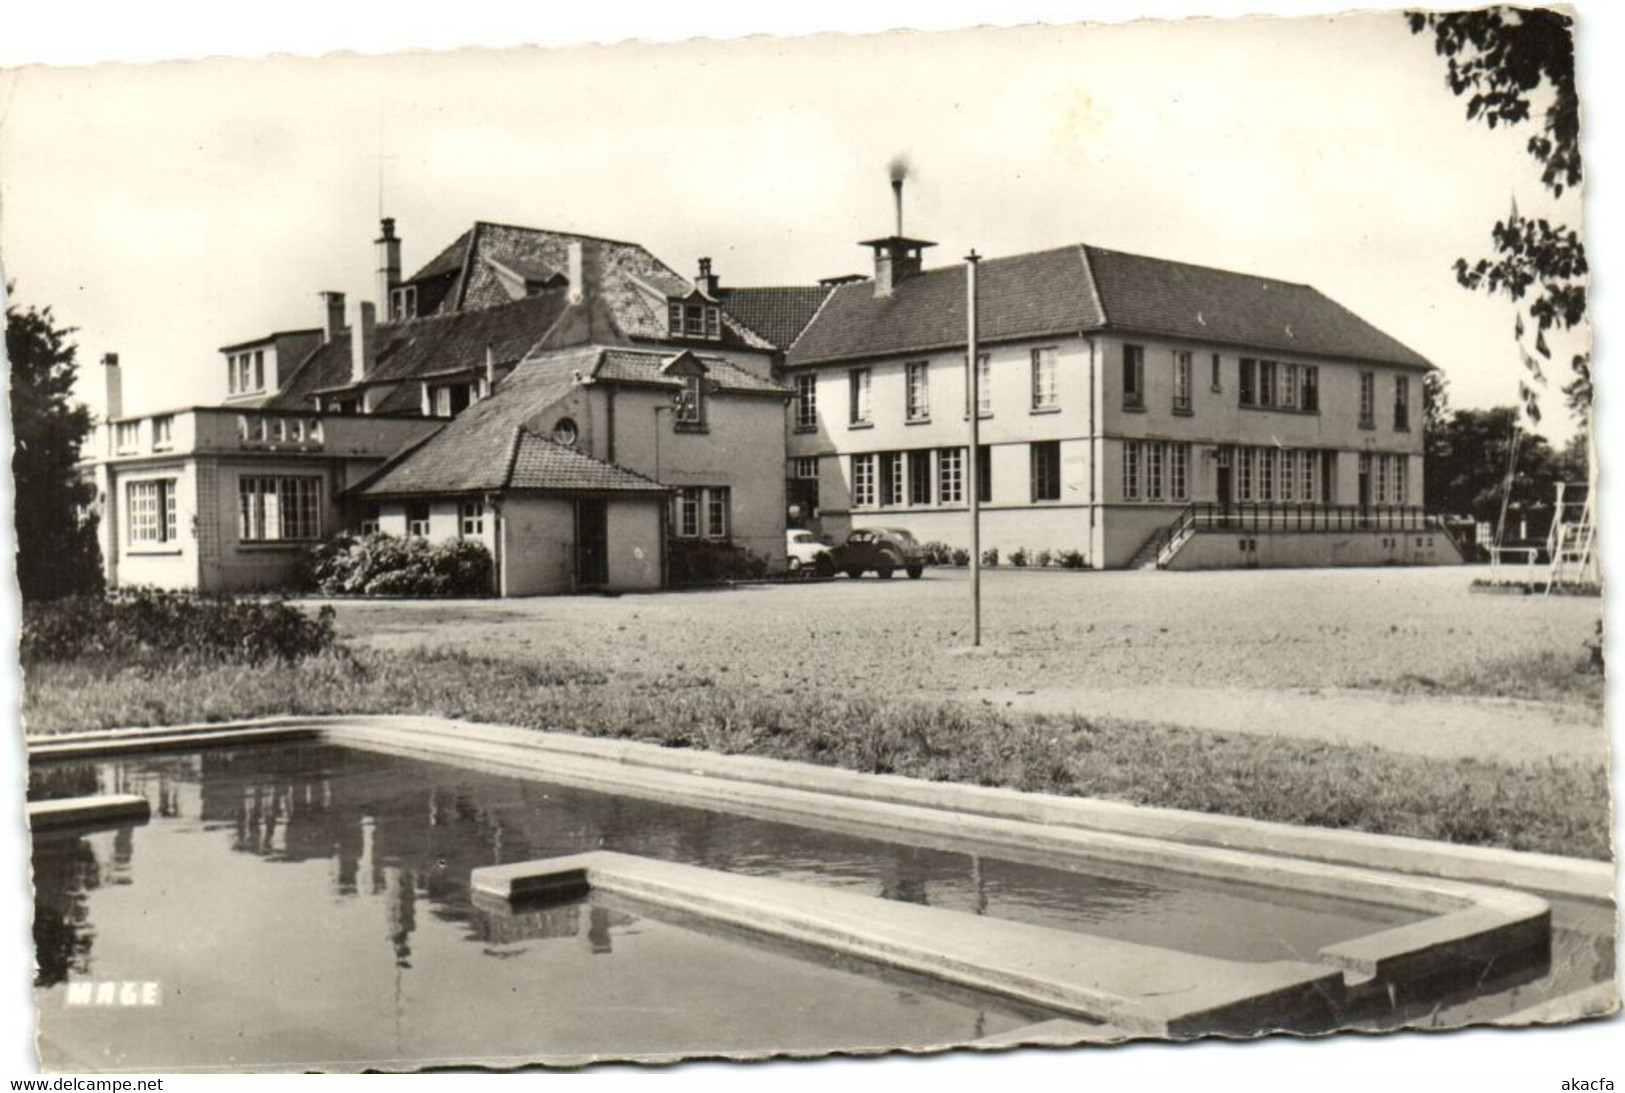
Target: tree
[1467, 460]
[1504, 60]
[57, 551]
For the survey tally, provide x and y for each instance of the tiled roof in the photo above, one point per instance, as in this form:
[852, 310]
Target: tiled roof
[644, 366]
[490, 447]
[541, 464]
[431, 346]
[630, 281]
[777, 314]
[1082, 288]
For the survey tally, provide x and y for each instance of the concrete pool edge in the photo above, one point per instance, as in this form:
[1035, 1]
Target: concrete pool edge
[1547, 873]
[78, 813]
[1459, 920]
[1137, 989]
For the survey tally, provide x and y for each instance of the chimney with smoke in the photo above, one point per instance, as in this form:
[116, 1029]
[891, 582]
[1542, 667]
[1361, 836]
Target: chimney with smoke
[577, 271]
[897, 257]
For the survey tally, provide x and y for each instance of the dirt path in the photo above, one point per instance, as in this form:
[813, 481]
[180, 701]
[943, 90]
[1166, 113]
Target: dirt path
[1440, 727]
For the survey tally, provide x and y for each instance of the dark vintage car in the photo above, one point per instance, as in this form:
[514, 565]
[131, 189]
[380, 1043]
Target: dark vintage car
[884, 550]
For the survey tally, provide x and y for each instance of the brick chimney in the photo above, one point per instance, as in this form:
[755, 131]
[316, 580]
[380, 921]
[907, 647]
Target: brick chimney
[897, 257]
[389, 263]
[707, 282]
[363, 341]
[332, 315]
[112, 387]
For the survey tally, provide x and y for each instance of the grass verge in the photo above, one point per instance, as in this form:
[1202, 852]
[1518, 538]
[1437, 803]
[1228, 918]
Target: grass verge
[1554, 808]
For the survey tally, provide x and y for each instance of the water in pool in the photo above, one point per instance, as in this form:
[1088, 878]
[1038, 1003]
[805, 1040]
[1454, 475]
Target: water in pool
[314, 910]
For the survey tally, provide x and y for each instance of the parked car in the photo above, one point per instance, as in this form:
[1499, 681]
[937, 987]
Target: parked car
[808, 553]
[884, 550]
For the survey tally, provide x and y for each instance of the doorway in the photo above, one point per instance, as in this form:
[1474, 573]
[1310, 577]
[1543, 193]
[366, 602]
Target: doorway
[592, 544]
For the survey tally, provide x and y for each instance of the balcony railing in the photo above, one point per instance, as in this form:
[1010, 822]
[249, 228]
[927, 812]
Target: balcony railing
[1286, 516]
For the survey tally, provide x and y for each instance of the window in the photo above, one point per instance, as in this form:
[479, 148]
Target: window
[919, 391]
[674, 318]
[1133, 377]
[1131, 470]
[442, 402]
[163, 433]
[282, 509]
[694, 321]
[984, 474]
[1244, 474]
[403, 303]
[126, 436]
[152, 514]
[691, 402]
[1309, 468]
[1398, 483]
[1266, 474]
[716, 512]
[259, 369]
[370, 523]
[471, 519]
[1249, 382]
[858, 380]
[1182, 382]
[1216, 383]
[1402, 403]
[417, 520]
[1046, 470]
[1289, 386]
[919, 477]
[1382, 479]
[1266, 382]
[891, 478]
[566, 432]
[1289, 476]
[1153, 471]
[806, 402]
[1179, 457]
[1368, 400]
[1046, 396]
[688, 513]
[951, 476]
[804, 467]
[713, 323]
[863, 481]
[984, 386]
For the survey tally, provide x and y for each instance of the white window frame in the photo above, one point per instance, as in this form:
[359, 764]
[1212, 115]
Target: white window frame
[691, 406]
[1244, 473]
[471, 519]
[864, 480]
[1402, 404]
[152, 518]
[950, 476]
[1153, 470]
[859, 390]
[917, 383]
[1179, 458]
[126, 436]
[1368, 400]
[689, 503]
[1131, 470]
[1182, 381]
[717, 515]
[1046, 486]
[1046, 383]
[894, 469]
[1309, 469]
[806, 416]
[279, 508]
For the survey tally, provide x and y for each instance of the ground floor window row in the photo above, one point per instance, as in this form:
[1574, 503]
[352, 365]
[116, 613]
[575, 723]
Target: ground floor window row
[1156, 470]
[936, 476]
[702, 512]
[1273, 474]
[282, 508]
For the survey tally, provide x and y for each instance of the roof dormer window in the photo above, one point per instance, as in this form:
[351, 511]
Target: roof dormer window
[694, 318]
[403, 303]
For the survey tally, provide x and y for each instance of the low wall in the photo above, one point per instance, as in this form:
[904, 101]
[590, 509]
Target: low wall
[1301, 549]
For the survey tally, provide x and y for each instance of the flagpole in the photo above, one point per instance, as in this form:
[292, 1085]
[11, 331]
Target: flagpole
[973, 478]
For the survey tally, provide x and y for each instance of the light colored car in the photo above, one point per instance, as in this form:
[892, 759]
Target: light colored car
[807, 553]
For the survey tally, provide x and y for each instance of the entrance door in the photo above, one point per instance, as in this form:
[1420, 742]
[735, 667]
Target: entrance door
[592, 544]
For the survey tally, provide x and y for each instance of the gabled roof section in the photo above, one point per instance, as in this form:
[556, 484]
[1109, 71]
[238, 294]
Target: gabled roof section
[491, 446]
[436, 345]
[648, 367]
[1080, 289]
[778, 314]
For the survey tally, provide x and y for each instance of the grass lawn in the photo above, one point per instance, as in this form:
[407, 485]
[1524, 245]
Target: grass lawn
[666, 683]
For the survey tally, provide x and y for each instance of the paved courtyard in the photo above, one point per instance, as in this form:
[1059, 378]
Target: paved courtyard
[1286, 652]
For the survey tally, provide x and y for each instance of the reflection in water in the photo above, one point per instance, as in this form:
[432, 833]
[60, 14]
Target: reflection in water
[403, 835]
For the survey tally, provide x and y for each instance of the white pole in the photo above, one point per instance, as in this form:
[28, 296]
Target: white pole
[973, 478]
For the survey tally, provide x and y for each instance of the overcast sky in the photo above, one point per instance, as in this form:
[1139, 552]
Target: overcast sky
[166, 210]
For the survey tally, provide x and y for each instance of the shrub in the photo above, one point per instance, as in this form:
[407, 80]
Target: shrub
[1045, 557]
[961, 557]
[990, 556]
[138, 623]
[382, 565]
[938, 552]
[1019, 556]
[1071, 559]
[697, 561]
